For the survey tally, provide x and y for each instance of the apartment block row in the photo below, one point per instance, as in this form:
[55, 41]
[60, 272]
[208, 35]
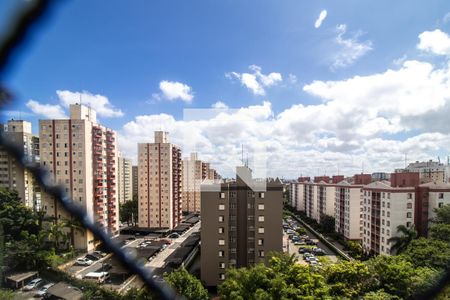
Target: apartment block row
[369, 210]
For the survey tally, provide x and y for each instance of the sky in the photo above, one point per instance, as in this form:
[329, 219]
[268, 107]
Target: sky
[304, 87]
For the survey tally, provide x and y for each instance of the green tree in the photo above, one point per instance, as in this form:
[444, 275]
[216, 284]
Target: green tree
[186, 284]
[6, 294]
[393, 274]
[442, 214]
[379, 295]
[56, 233]
[129, 211]
[347, 279]
[440, 231]
[327, 224]
[400, 242]
[431, 253]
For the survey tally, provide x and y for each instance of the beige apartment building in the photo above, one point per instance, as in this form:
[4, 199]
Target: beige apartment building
[239, 226]
[135, 181]
[348, 210]
[385, 208]
[160, 183]
[192, 180]
[124, 179]
[12, 174]
[82, 155]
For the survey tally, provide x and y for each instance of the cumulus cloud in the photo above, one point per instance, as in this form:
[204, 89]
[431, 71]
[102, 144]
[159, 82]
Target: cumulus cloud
[98, 102]
[219, 105]
[173, 90]
[320, 18]
[349, 49]
[435, 42]
[256, 81]
[48, 111]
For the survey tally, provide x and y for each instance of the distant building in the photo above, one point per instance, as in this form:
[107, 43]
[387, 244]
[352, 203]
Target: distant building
[82, 155]
[135, 180]
[380, 176]
[239, 226]
[160, 183]
[192, 180]
[12, 174]
[429, 171]
[124, 179]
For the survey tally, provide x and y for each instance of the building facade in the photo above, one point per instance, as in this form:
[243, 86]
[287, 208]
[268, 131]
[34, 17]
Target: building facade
[192, 180]
[429, 171]
[82, 155]
[348, 210]
[160, 183]
[239, 226]
[135, 181]
[124, 179]
[12, 174]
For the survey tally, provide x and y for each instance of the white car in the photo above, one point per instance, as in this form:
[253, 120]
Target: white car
[102, 254]
[43, 290]
[83, 262]
[32, 284]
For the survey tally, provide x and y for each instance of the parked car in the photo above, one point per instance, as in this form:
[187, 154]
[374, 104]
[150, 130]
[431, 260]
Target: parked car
[102, 254]
[173, 235]
[83, 262]
[43, 290]
[302, 250]
[310, 242]
[35, 283]
[306, 255]
[318, 251]
[311, 258]
[166, 241]
[92, 257]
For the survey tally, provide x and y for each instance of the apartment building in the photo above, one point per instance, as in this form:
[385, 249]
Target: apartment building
[192, 180]
[82, 155]
[348, 210]
[429, 171]
[160, 183]
[384, 209]
[239, 225]
[12, 174]
[293, 199]
[135, 180]
[124, 179]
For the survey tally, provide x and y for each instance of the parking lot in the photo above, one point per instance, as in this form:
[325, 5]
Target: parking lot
[290, 247]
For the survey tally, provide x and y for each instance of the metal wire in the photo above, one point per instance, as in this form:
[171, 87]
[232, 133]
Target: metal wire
[20, 31]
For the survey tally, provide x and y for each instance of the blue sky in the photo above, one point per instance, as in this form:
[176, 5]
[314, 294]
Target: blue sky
[124, 51]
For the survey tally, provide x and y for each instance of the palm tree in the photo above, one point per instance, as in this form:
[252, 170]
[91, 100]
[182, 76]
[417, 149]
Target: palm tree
[73, 225]
[56, 234]
[401, 242]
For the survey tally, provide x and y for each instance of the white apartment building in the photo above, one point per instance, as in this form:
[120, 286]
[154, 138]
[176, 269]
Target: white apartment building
[160, 172]
[430, 171]
[12, 174]
[135, 180]
[348, 210]
[82, 156]
[384, 209]
[124, 180]
[192, 180]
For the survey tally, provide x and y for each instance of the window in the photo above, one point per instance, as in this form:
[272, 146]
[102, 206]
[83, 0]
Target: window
[408, 215]
[221, 242]
[261, 195]
[261, 253]
[440, 204]
[260, 242]
[221, 230]
[260, 206]
[221, 218]
[409, 196]
[409, 205]
[261, 219]
[222, 276]
[388, 205]
[221, 265]
[261, 230]
[222, 195]
[441, 195]
[221, 206]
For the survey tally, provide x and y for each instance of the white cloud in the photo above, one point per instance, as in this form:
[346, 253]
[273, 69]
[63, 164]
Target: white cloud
[436, 42]
[256, 81]
[292, 78]
[219, 105]
[98, 102]
[48, 111]
[349, 49]
[320, 19]
[172, 90]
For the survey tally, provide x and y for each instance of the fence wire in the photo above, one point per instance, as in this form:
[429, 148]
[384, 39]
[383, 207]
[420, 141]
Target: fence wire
[20, 29]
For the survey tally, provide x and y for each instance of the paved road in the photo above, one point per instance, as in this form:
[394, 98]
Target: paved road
[293, 249]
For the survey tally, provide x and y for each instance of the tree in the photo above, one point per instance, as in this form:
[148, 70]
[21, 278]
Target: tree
[129, 211]
[431, 253]
[379, 295]
[442, 214]
[327, 223]
[400, 242]
[186, 284]
[56, 233]
[347, 279]
[440, 231]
